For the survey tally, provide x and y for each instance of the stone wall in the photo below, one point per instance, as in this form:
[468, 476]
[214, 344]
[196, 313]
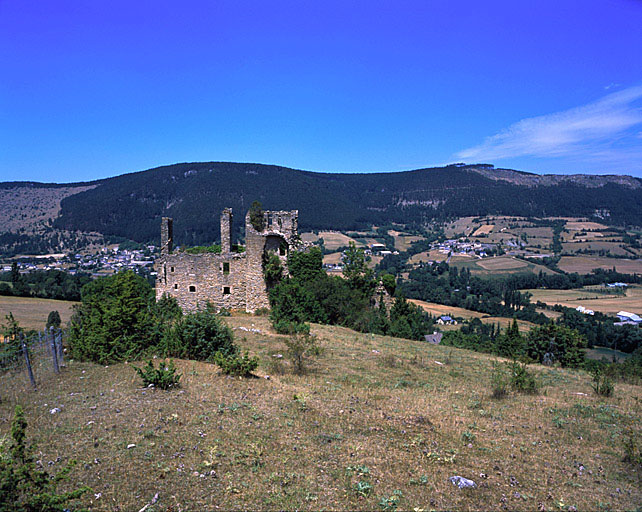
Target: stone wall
[227, 280]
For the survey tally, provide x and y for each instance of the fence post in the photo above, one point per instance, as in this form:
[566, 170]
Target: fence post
[54, 351]
[26, 354]
[61, 357]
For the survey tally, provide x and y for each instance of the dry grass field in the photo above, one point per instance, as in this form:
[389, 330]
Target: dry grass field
[484, 229]
[426, 256]
[374, 418]
[333, 240]
[32, 313]
[584, 264]
[614, 248]
[403, 241]
[463, 225]
[500, 265]
[439, 309]
[584, 226]
[334, 258]
[309, 237]
[587, 297]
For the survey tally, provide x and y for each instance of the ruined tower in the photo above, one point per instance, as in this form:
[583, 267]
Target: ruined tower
[231, 280]
[226, 231]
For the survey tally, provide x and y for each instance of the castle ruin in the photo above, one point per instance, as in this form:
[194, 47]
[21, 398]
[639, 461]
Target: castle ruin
[230, 280]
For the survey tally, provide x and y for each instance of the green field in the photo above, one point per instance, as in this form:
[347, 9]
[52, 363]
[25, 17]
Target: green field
[608, 354]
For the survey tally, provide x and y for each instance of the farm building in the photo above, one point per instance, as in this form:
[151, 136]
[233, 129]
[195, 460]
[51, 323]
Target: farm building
[446, 320]
[625, 316]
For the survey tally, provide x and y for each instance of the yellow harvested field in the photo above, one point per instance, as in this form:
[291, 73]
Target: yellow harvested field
[502, 263]
[32, 313]
[423, 257]
[309, 237]
[584, 264]
[602, 302]
[614, 248]
[439, 309]
[334, 239]
[504, 322]
[332, 258]
[483, 230]
[584, 226]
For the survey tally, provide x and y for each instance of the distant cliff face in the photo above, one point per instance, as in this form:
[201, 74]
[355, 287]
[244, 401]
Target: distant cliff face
[131, 205]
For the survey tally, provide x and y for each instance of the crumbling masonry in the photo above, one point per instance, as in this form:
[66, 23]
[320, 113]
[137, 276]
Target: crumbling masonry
[227, 280]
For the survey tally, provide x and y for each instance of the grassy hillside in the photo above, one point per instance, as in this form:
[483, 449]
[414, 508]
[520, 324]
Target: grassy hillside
[374, 418]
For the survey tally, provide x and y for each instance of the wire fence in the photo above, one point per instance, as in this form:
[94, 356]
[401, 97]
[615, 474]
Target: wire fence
[32, 360]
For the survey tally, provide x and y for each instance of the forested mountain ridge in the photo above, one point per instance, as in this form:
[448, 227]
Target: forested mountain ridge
[194, 194]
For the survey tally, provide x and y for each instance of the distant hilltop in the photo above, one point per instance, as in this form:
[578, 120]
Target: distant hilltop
[130, 206]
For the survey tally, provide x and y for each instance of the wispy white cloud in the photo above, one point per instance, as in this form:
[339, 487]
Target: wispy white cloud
[607, 127]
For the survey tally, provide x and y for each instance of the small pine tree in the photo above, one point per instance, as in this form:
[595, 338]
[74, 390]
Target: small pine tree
[53, 320]
[23, 487]
[257, 217]
[511, 343]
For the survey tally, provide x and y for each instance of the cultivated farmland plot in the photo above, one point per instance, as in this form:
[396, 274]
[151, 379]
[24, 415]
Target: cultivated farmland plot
[592, 299]
[32, 313]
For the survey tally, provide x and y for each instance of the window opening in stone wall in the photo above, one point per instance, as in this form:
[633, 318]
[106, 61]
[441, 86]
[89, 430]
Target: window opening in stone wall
[226, 290]
[171, 269]
[226, 267]
[175, 287]
[192, 288]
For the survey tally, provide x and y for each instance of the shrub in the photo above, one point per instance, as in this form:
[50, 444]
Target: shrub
[257, 217]
[299, 347]
[272, 269]
[199, 336]
[362, 488]
[632, 452]
[22, 487]
[291, 328]
[521, 379]
[163, 377]
[11, 349]
[390, 503]
[237, 365]
[115, 320]
[602, 383]
[499, 382]
[558, 343]
[53, 320]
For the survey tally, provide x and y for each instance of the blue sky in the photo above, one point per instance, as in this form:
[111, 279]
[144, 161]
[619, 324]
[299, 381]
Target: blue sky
[93, 89]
